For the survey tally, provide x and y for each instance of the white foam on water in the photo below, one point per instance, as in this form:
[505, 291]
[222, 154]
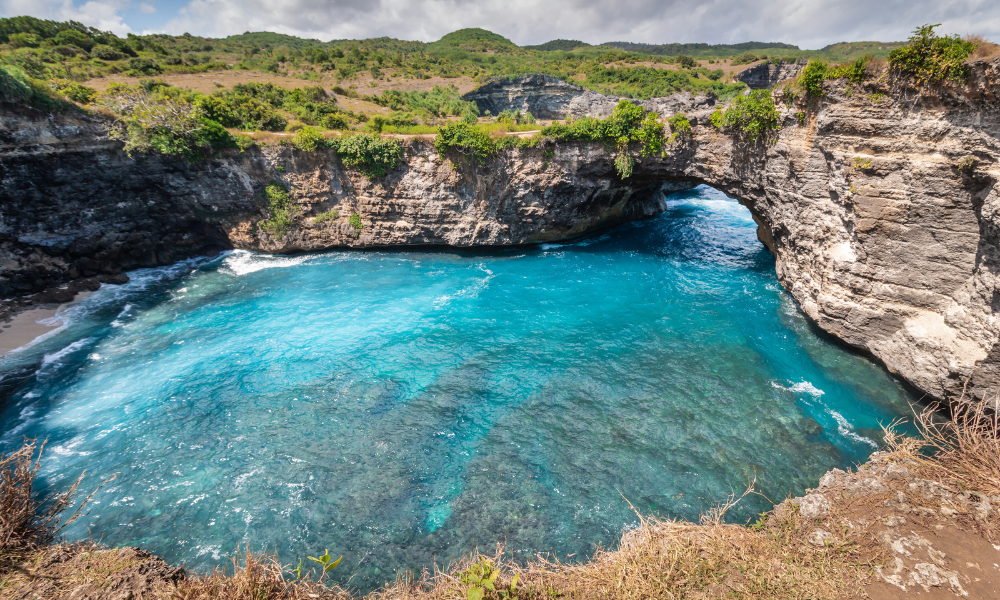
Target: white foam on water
[244, 262]
[802, 387]
[845, 429]
[56, 357]
[69, 448]
[471, 291]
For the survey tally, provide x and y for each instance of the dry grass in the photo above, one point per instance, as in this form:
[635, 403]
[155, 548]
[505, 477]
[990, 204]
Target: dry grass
[985, 49]
[28, 522]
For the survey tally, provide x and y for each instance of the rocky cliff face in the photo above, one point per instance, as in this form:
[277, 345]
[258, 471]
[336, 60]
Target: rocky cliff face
[880, 205]
[767, 74]
[550, 98]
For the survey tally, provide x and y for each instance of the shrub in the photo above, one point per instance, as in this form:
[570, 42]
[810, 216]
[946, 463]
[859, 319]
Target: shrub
[931, 57]
[282, 208]
[241, 111]
[105, 52]
[368, 153]
[73, 37]
[854, 72]
[172, 126]
[323, 217]
[25, 40]
[686, 61]
[679, 125]
[143, 66]
[355, 222]
[465, 139]
[716, 118]
[17, 88]
[745, 58]
[308, 139]
[336, 121]
[753, 117]
[628, 124]
[813, 76]
[74, 91]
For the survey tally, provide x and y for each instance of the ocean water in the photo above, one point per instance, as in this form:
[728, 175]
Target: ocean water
[404, 408]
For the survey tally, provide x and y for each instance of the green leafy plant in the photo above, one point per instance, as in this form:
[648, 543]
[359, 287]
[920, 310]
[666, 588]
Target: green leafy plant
[481, 577]
[283, 211]
[862, 164]
[680, 127]
[323, 217]
[156, 123]
[355, 221]
[854, 71]
[326, 561]
[368, 153]
[801, 116]
[930, 58]
[813, 76]
[716, 118]
[308, 139]
[753, 117]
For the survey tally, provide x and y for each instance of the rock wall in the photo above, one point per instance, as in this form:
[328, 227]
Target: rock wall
[767, 74]
[550, 98]
[879, 203]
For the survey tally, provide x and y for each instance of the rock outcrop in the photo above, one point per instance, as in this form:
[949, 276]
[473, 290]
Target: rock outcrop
[879, 203]
[546, 97]
[768, 73]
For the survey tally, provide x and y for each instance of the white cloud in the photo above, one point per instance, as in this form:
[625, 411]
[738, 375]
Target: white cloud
[105, 15]
[806, 23]
[147, 9]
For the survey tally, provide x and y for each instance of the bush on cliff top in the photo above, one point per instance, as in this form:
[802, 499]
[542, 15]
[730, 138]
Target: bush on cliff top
[931, 57]
[628, 126]
[17, 88]
[753, 117]
[157, 123]
[368, 153]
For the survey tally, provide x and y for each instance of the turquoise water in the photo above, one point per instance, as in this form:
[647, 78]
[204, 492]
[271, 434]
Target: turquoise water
[402, 408]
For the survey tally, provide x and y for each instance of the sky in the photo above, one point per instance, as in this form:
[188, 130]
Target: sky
[809, 24]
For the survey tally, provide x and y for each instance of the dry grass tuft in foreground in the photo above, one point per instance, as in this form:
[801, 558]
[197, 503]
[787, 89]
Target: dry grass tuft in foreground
[932, 495]
[26, 522]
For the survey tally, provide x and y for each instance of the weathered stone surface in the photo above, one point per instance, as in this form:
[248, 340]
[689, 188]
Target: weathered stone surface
[882, 210]
[550, 98]
[768, 73]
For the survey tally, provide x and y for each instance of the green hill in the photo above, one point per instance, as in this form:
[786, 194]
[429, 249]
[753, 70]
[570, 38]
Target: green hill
[701, 50]
[475, 40]
[565, 45]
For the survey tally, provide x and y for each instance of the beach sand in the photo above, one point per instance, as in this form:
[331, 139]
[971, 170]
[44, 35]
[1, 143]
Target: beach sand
[24, 327]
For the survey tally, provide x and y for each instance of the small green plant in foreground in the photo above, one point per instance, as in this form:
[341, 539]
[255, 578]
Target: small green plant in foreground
[753, 116]
[326, 560]
[355, 222]
[801, 116]
[282, 209]
[481, 577]
[931, 57]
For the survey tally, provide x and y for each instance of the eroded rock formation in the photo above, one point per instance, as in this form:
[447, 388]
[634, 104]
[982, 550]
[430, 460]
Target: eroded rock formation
[879, 204]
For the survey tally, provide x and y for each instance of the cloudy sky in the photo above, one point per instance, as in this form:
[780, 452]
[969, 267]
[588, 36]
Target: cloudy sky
[806, 23]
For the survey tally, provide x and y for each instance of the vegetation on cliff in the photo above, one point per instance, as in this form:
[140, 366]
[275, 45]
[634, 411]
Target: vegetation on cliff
[930, 57]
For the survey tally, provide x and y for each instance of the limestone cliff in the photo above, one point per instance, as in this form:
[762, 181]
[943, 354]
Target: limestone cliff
[879, 203]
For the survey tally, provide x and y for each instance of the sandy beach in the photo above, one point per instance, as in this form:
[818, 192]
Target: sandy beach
[26, 326]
